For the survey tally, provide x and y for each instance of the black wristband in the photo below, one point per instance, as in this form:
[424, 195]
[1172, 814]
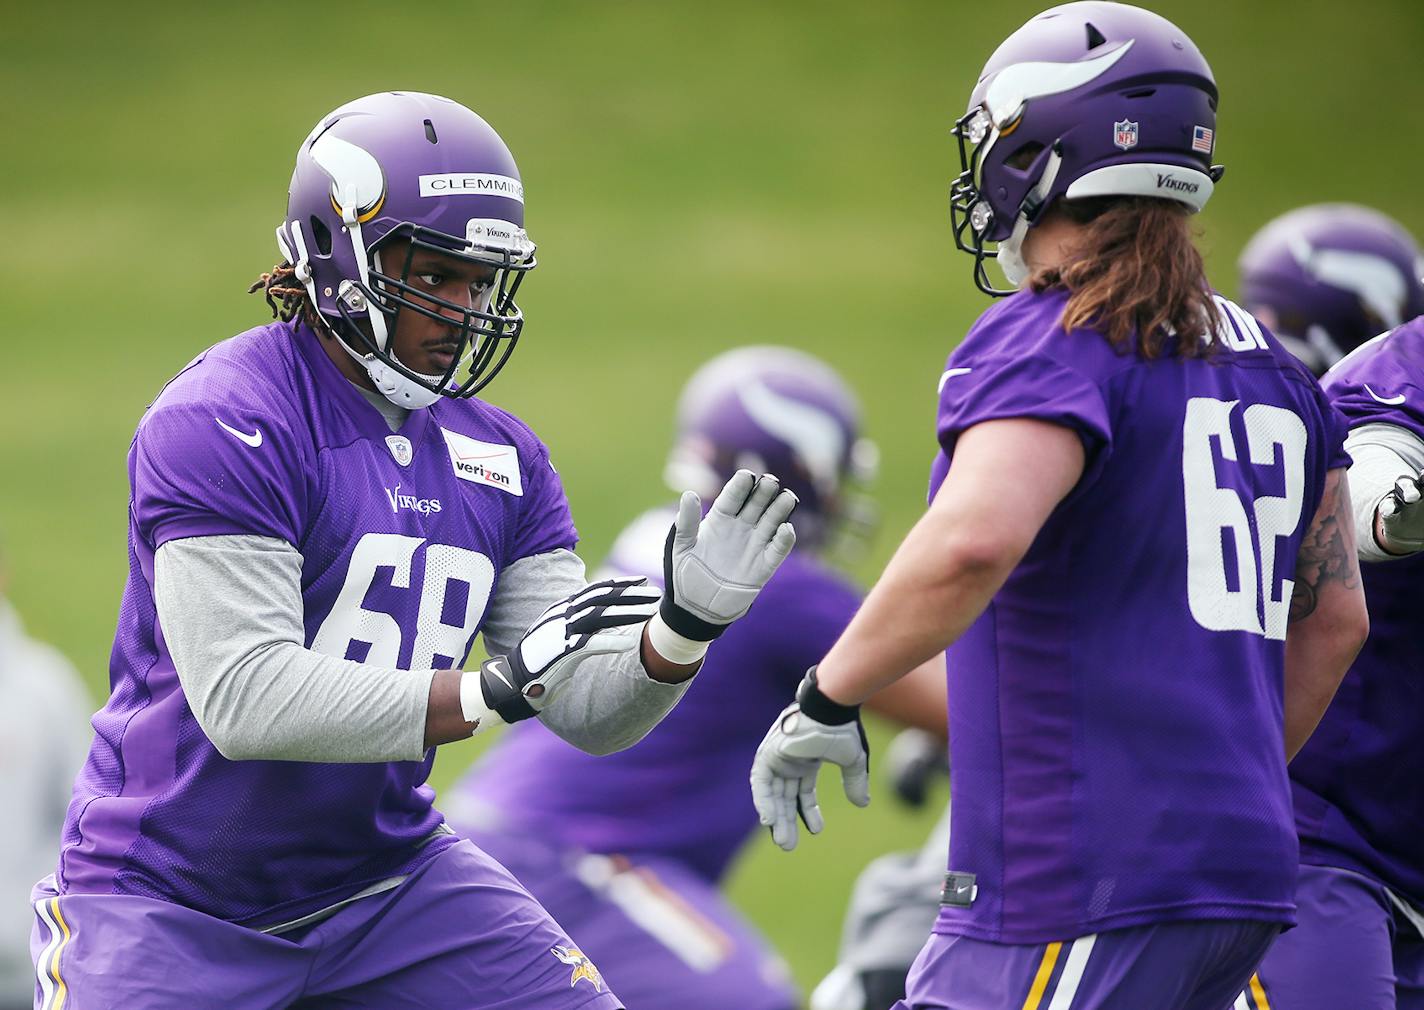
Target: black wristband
[819, 707]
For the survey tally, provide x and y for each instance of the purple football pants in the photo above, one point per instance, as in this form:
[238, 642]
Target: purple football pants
[1352, 949]
[1172, 966]
[664, 937]
[459, 932]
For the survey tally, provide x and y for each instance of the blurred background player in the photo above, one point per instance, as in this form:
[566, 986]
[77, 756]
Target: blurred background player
[1119, 627]
[44, 736]
[894, 903]
[895, 900]
[628, 852]
[1328, 277]
[323, 516]
[1359, 802]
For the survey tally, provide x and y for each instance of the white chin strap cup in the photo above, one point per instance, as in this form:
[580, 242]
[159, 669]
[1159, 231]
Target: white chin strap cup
[401, 391]
[1009, 254]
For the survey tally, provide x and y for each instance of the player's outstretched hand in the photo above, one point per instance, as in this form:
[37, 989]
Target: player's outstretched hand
[809, 731]
[714, 565]
[602, 618]
[1399, 517]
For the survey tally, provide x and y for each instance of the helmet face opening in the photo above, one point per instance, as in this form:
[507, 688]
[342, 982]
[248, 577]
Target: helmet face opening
[485, 334]
[972, 216]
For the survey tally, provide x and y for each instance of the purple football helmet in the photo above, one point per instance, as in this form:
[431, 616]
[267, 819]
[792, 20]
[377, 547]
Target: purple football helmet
[1328, 277]
[406, 165]
[775, 410]
[1088, 99]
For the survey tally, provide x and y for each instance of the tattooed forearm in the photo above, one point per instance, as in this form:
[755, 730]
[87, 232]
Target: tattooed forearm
[1327, 552]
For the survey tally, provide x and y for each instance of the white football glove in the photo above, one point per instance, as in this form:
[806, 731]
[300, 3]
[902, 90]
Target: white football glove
[1399, 517]
[809, 731]
[602, 618]
[714, 566]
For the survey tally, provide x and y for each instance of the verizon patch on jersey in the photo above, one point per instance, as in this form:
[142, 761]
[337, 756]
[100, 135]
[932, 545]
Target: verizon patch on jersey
[471, 184]
[487, 463]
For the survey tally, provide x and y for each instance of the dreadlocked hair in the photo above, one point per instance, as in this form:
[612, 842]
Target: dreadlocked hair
[1136, 277]
[284, 294]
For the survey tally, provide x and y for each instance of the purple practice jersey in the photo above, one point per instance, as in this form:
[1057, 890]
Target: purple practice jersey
[1358, 794]
[403, 537]
[681, 792]
[1116, 713]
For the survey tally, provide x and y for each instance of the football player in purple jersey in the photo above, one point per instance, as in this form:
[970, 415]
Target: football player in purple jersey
[1358, 800]
[1328, 277]
[1139, 552]
[633, 848]
[322, 518]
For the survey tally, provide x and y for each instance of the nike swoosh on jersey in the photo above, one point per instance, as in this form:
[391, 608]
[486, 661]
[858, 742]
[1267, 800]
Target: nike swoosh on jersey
[950, 373]
[1389, 401]
[254, 440]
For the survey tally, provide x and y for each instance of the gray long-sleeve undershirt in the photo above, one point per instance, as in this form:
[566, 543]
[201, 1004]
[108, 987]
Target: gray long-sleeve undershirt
[230, 609]
[1380, 454]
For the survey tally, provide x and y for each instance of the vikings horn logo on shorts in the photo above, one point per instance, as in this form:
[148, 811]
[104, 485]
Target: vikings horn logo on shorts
[583, 967]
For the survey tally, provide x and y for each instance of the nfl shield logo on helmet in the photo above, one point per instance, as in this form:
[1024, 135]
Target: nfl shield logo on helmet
[400, 449]
[1125, 135]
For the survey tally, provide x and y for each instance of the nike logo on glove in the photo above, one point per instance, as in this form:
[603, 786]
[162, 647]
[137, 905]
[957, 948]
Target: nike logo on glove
[254, 440]
[498, 668]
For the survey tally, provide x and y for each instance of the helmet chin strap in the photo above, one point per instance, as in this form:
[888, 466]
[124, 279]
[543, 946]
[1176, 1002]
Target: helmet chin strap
[399, 389]
[394, 386]
[1009, 252]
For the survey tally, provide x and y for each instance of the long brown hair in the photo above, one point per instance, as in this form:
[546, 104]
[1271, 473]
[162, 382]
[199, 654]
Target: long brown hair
[1136, 276]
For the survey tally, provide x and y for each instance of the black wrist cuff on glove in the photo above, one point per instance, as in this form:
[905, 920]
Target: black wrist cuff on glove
[502, 680]
[819, 707]
[688, 625]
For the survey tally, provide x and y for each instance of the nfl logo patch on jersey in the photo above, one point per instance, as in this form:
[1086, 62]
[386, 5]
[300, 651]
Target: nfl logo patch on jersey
[400, 449]
[487, 463]
[1125, 135]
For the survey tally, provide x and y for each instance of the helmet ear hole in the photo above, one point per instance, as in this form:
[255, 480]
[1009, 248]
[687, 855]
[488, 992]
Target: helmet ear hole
[1023, 157]
[322, 234]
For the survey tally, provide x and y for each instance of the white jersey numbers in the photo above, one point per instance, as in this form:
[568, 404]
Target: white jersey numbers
[1238, 331]
[1232, 552]
[349, 620]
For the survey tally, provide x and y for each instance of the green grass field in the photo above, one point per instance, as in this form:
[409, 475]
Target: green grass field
[698, 176]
